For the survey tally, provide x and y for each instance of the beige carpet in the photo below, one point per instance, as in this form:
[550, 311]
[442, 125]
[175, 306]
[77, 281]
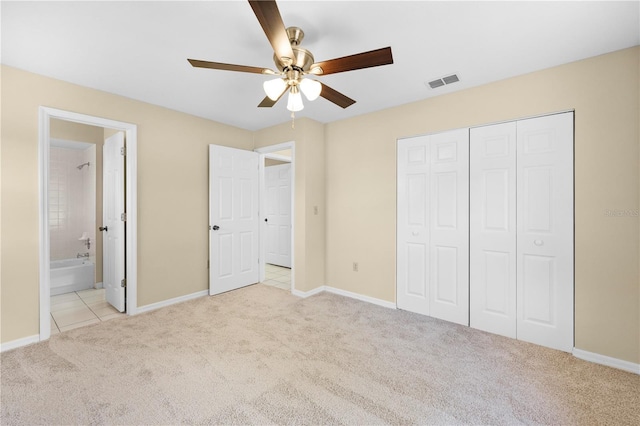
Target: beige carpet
[261, 356]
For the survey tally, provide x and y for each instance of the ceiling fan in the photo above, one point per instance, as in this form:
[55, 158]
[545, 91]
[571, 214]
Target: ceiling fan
[294, 64]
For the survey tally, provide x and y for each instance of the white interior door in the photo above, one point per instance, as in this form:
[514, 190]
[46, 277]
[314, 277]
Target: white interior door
[492, 229]
[449, 226]
[545, 231]
[113, 252]
[413, 225]
[233, 218]
[278, 214]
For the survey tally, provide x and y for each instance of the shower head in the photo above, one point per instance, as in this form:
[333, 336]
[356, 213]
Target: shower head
[82, 165]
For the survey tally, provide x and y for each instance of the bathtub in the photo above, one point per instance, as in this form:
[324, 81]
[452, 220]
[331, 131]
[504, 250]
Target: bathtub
[69, 275]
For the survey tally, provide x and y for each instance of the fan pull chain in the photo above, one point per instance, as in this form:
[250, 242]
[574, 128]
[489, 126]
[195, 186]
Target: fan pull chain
[293, 120]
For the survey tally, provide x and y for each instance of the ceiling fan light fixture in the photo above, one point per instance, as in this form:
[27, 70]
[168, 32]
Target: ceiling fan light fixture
[311, 88]
[274, 88]
[294, 103]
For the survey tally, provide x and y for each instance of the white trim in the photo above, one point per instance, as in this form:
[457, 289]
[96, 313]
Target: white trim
[607, 360]
[99, 285]
[45, 114]
[14, 344]
[345, 293]
[43, 223]
[305, 294]
[363, 298]
[264, 153]
[169, 302]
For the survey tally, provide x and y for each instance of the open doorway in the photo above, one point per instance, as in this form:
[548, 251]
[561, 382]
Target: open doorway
[277, 180]
[87, 220]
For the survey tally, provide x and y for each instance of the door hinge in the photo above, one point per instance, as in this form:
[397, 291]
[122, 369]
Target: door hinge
[123, 282]
[123, 217]
[123, 150]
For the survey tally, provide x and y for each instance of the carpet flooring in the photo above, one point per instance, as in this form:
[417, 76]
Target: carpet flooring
[259, 355]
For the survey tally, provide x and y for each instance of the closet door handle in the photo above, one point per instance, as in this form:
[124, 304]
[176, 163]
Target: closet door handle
[104, 228]
[215, 227]
[538, 242]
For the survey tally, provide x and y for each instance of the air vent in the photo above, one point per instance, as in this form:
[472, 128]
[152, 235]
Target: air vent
[450, 79]
[436, 83]
[443, 80]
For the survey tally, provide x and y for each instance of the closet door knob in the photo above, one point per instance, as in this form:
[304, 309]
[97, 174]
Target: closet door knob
[104, 228]
[215, 227]
[538, 242]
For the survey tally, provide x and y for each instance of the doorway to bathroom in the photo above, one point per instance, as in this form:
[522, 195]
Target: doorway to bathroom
[87, 220]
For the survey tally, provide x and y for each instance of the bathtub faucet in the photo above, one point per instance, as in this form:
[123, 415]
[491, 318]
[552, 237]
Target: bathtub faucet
[82, 255]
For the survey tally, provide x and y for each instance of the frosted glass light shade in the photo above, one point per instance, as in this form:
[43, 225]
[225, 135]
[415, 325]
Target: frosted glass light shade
[274, 88]
[311, 88]
[295, 101]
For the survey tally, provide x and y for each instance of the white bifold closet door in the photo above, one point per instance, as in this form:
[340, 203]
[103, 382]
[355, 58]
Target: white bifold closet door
[433, 225]
[521, 230]
[545, 231]
[492, 233]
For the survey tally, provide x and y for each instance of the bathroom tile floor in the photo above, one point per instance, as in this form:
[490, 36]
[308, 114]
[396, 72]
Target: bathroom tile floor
[80, 308]
[277, 276]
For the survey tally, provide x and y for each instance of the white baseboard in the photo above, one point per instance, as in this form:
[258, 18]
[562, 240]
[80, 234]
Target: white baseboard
[361, 297]
[169, 302]
[98, 285]
[607, 360]
[305, 294]
[328, 289]
[19, 342]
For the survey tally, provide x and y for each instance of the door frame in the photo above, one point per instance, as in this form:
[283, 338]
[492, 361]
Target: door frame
[267, 152]
[45, 114]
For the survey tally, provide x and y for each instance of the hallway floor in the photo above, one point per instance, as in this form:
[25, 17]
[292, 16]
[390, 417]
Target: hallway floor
[277, 276]
[80, 308]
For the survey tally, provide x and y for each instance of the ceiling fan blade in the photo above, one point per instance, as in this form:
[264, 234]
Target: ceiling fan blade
[269, 17]
[373, 58]
[267, 102]
[336, 97]
[228, 67]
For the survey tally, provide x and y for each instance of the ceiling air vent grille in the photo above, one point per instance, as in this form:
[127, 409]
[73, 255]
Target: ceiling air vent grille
[450, 79]
[439, 82]
[436, 83]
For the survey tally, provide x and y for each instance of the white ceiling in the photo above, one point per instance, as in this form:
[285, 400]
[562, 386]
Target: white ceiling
[140, 49]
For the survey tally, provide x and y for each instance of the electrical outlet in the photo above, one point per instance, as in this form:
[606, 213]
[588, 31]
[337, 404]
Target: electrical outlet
[355, 266]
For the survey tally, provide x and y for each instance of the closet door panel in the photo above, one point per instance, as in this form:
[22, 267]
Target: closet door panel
[413, 225]
[449, 226]
[545, 231]
[492, 252]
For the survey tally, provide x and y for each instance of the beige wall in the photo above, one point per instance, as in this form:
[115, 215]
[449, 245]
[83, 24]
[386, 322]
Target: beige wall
[70, 131]
[268, 162]
[172, 191]
[361, 186]
[309, 250]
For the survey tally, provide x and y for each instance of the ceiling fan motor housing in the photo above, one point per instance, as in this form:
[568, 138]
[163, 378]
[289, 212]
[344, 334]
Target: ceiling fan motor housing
[302, 60]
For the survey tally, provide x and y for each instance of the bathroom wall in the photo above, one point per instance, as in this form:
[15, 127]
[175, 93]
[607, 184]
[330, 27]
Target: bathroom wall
[70, 131]
[72, 208]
